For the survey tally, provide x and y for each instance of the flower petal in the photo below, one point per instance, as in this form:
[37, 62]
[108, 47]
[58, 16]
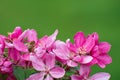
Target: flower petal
[104, 59]
[37, 63]
[20, 46]
[100, 76]
[104, 47]
[79, 39]
[71, 63]
[36, 76]
[14, 54]
[84, 70]
[96, 37]
[49, 61]
[83, 59]
[39, 52]
[89, 44]
[61, 50]
[51, 39]
[76, 77]
[57, 72]
[32, 35]
[16, 33]
[48, 77]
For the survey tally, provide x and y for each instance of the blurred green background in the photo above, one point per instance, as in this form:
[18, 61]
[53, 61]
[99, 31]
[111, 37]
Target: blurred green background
[69, 16]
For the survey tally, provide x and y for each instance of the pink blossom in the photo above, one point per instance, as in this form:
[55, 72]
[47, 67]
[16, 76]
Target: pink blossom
[47, 68]
[82, 47]
[14, 45]
[45, 44]
[84, 74]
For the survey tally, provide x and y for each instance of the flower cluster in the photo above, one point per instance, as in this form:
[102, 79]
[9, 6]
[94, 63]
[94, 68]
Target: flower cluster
[53, 59]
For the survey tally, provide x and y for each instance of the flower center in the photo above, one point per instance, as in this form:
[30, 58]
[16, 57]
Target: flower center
[82, 51]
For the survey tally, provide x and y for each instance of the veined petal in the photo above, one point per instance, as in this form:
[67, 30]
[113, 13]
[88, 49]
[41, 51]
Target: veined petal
[104, 59]
[20, 46]
[61, 50]
[84, 70]
[57, 72]
[71, 63]
[14, 54]
[36, 76]
[100, 76]
[50, 61]
[23, 35]
[79, 39]
[89, 44]
[40, 52]
[32, 35]
[104, 47]
[51, 39]
[83, 59]
[37, 63]
[59, 53]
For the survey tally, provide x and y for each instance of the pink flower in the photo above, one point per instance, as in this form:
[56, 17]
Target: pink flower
[84, 74]
[14, 45]
[45, 44]
[47, 68]
[82, 47]
[61, 51]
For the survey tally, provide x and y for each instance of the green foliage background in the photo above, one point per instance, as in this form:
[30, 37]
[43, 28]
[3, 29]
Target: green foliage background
[69, 16]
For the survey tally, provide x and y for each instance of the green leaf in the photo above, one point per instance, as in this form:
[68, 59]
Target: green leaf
[19, 73]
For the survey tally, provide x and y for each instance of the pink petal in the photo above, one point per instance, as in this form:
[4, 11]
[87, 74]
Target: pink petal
[96, 37]
[9, 45]
[104, 47]
[7, 63]
[83, 59]
[51, 39]
[72, 47]
[104, 59]
[32, 35]
[48, 78]
[100, 76]
[16, 33]
[71, 63]
[14, 54]
[57, 72]
[40, 52]
[36, 76]
[89, 44]
[76, 77]
[84, 70]
[37, 63]
[61, 50]
[95, 52]
[23, 35]
[50, 61]
[26, 56]
[79, 39]
[20, 46]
